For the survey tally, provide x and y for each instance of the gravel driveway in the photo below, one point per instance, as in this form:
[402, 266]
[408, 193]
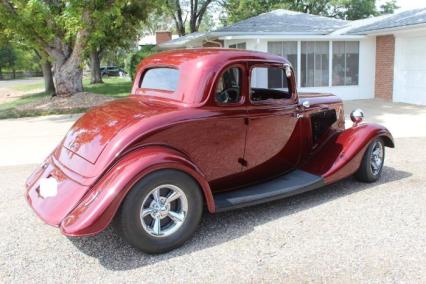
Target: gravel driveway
[346, 232]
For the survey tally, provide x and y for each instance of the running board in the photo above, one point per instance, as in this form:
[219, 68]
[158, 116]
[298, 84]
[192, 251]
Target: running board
[293, 183]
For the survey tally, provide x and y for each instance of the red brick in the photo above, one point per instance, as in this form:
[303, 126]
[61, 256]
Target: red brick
[385, 55]
[161, 37]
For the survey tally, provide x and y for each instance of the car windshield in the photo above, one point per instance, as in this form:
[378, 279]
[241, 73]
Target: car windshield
[162, 78]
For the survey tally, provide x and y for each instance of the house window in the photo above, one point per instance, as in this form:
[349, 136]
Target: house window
[345, 63]
[314, 64]
[240, 45]
[287, 49]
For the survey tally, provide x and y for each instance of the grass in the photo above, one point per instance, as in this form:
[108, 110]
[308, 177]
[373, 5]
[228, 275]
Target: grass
[112, 87]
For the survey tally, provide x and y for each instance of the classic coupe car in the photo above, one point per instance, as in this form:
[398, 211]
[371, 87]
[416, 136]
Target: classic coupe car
[213, 128]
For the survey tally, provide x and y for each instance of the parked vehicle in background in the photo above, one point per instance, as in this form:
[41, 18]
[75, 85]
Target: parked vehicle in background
[215, 128]
[113, 71]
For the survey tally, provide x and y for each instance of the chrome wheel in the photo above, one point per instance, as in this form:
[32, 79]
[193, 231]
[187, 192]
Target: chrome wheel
[164, 210]
[376, 158]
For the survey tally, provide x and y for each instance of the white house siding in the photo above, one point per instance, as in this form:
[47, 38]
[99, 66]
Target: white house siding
[367, 51]
[410, 68]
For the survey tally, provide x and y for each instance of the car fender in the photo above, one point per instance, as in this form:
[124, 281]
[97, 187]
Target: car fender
[342, 154]
[97, 209]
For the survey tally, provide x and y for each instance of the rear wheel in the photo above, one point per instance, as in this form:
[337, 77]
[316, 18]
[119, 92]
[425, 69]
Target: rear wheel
[372, 162]
[160, 212]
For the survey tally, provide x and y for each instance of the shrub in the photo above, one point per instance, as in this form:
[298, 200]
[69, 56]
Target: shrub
[135, 58]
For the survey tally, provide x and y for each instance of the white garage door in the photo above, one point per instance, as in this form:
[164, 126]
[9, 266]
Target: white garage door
[410, 70]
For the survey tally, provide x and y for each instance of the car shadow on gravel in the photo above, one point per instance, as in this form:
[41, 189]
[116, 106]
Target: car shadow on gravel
[114, 254]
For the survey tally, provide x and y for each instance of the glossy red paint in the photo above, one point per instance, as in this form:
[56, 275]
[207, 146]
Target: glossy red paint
[341, 155]
[98, 207]
[221, 146]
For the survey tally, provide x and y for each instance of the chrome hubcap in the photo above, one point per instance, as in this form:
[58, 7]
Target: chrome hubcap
[376, 159]
[164, 210]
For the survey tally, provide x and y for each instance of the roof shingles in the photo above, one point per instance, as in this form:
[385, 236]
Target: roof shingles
[399, 20]
[284, 21]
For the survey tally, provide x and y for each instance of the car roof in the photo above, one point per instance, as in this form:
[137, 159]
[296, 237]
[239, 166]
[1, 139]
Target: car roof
[211, 55]
[198, 68]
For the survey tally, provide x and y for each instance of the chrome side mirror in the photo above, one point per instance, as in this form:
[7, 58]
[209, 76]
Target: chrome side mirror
[357, 115]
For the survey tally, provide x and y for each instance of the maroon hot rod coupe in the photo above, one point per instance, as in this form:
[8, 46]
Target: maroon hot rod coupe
[202, 127]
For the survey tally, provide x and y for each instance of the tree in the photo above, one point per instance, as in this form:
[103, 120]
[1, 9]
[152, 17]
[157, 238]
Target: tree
[7, 58]
[180, 10]
[46, 68]
[57, 28]
[388, 7]
[62, 30]
[114, 31]
[6, 35]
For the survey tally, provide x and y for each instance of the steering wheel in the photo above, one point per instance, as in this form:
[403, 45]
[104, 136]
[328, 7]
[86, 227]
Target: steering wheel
[229, 95]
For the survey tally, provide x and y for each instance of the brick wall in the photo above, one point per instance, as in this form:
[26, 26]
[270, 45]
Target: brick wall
[385, 54]
[161, 37]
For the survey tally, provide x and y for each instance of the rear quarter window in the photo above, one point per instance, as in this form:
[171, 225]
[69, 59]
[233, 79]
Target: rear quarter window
[165, 79]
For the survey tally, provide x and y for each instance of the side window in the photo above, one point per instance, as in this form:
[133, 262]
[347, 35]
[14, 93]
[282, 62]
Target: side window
[228, 88]
[269, 83]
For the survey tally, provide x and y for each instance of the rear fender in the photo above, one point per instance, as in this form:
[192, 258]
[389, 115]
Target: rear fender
[342, 154]
[96, 210]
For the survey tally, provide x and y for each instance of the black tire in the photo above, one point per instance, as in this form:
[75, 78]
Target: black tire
[366, 172]
[128, 222]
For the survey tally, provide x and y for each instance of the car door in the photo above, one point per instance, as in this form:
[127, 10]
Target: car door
[273, 143]
[222, 142]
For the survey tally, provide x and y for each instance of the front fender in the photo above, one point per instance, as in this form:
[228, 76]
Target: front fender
[95, 212]
[341, 155]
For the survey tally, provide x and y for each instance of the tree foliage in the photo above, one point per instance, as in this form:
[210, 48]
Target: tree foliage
[135, 58]
[114, 31]
[64, 29]
[8, 57]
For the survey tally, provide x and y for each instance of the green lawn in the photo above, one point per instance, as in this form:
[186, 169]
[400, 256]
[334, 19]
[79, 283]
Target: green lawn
[113, 87]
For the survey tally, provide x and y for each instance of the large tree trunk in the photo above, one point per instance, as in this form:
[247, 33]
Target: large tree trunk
[49, 87]
[95, 67]
[67, 72]
[68, 79]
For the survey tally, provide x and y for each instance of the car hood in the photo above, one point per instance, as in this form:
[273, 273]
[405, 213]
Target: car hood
[89, 136]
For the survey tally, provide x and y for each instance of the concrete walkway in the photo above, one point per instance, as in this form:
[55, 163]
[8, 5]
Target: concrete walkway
[30, 140]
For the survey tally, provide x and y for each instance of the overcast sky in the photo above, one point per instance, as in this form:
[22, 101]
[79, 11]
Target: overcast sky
[407, 4]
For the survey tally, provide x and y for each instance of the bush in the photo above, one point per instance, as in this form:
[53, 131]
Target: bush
[135, 58]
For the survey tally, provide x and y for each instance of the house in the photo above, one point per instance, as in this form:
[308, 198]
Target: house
[382, 57]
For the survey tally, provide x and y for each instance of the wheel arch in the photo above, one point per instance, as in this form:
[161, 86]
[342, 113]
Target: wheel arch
[341, 156]
[388, 141]
[97, 209]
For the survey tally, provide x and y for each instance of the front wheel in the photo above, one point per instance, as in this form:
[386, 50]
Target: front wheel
[372, 162]
[160, 212]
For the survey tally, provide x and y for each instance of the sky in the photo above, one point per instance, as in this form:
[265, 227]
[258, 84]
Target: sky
[407, 4]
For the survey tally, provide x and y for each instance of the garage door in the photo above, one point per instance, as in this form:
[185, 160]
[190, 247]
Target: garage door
[410, 70]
